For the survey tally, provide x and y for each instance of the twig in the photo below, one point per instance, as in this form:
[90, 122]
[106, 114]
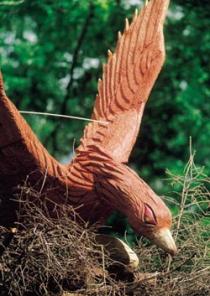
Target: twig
[71, 71]
[188, 179]
[75, 56]
[62, 116]
[187, 182]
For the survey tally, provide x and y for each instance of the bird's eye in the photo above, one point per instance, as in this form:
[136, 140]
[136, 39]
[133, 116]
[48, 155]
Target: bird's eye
[149, 216]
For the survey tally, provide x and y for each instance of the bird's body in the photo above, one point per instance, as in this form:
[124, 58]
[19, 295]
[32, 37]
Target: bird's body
[98, 180]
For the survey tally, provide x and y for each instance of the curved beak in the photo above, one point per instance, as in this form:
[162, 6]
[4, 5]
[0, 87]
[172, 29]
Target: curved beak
[165, 241]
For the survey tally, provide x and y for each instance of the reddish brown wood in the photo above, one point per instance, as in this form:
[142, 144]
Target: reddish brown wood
[98, 181]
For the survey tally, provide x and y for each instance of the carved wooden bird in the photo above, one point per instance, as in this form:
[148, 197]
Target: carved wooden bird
[98, 180]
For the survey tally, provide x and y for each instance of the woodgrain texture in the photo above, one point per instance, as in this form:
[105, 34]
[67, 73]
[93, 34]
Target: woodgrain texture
[127, 80]
[97, 181]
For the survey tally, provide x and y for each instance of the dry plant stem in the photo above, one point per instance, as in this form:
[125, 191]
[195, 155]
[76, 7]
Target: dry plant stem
[62, 116]
[188, 179]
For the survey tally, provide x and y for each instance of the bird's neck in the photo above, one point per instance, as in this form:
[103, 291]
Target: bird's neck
[115, 184]
[120, 188]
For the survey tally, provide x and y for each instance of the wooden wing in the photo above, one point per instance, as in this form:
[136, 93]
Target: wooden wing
[127, 80]
[21, 153]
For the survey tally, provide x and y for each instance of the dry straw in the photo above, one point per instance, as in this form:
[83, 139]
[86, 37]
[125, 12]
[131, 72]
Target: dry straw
[59, 256]
[62, 116]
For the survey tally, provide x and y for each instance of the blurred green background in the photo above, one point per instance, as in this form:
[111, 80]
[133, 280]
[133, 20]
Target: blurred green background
[51, 55]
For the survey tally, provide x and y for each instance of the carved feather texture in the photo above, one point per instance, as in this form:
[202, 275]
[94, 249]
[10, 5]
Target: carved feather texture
[127, 80]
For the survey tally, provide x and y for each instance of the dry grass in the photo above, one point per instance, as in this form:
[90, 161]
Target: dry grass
[189, 271]
[46, 256]
[50, 256]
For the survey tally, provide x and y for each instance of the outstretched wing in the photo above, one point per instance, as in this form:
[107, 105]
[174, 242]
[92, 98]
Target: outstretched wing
[21, 153]
[127, 80]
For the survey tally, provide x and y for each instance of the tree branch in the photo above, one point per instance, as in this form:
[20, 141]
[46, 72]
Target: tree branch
[53, 135]
[75, 57]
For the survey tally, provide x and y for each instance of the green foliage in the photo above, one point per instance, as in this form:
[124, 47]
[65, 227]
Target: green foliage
[51, 54]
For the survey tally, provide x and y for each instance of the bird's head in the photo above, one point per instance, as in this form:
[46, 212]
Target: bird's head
[147, 213]
[153, 219]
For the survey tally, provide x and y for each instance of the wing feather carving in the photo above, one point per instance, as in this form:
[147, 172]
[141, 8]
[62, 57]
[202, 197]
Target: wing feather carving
[128, 78]
[21, 152]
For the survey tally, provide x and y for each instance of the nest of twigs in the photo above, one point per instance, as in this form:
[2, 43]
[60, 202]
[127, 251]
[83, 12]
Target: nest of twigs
[56, 256]
[46, 256]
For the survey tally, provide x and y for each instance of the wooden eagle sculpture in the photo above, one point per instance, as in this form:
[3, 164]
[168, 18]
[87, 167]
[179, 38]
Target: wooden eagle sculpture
[98, 180]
